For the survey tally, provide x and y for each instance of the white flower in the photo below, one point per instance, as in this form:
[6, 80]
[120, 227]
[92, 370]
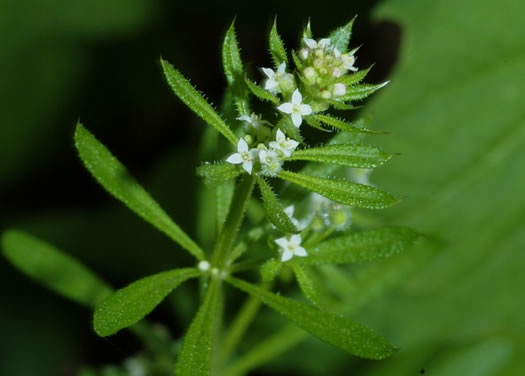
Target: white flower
[285, 144]
[296, 108]
[243, 156]
[325, 42]
[270, 161]
[253, 120]
[255, 125]
[348, 62]
[339, 89]
[275, 78]
[291, 247]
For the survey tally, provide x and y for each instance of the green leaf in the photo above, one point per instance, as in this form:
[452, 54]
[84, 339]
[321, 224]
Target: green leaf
[53, 268]
[260, 93]
[362, 246]
[343, 125]
[359, 156]
[314, 123]
[131, 303]
[196, 353]
[331, 328]
[340, 38]
[342, 191]
[359, 92]
[114, 177]
[297, 61]
[274, 210]
[189, 95]
[270, 269]
[277, 46]
[338, 105]
[306, 283]
[354, 78]
[217, 173]
[234, 70]
[307, 33]
[285, 123]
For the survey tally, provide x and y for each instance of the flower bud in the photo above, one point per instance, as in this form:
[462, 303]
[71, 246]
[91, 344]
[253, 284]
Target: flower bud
[339, 89]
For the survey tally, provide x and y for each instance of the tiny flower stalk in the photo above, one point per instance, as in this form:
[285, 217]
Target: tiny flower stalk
[285, 234]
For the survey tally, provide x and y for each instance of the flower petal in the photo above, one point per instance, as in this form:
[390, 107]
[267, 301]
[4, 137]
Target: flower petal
[310, 42]
[282, 67]
[287, 255]
[297, 98]
[242, 146]
[325, 42]
[282, 242]
[247, 165]
[270, 84]
[295, 239]
[268, 72]
[305, 109]
[297, 119]
[287, 108]
[300, 251]
[245, 118]
[234, 159]
[279, 136]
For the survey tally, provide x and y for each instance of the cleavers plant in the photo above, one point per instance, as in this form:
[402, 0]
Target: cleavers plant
[311, 86]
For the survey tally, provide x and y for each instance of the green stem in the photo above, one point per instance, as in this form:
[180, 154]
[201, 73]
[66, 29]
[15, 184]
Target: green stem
[239, 326]
[247, 265]
[233, 222]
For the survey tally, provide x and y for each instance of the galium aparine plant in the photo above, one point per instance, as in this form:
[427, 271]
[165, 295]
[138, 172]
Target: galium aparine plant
[306, 87]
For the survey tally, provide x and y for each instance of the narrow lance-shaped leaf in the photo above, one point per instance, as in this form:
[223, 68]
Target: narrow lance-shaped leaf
[306, 283]
[314, 123]
[189, 95]
[260, 93]
[53, 268]
[131, 303]
[297, 61]
[362, 246]
[340, 38]
[343, 125]
[114, 177]
[359, 92]
[338, 105]
[270, 269]
[342, 191]
[358, 156]
[277, 46]
[354, 78]
[333, 329]
[196, 353]
[234, 70]
[217, 173]
[273, 209]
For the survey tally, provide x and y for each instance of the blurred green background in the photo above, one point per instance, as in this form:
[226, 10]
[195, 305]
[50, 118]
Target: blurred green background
[455, 108]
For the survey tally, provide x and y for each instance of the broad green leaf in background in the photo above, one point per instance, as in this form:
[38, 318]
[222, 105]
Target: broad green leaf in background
[53, 268]
[455, 109]
[359, 156]
[340, 38]
[342, 191]
[130, 304]
[217, 173]
[195, 101]
[234, 70]
[273, 208]
[114, 177]
[331, 328]
[277, 46]
[196, 353]
[362, 246]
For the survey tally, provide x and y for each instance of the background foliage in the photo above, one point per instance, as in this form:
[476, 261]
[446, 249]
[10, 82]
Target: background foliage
[454, 107]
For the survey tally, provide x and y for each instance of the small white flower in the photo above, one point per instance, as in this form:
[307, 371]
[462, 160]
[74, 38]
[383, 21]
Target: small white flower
[291, 247]
[339, 89]
[253, 120]
[274, 78]
[323, 43]
[243, 156]
[255, 125]
[271, 164]
[285, 144]
[296, 108]
[348, 62]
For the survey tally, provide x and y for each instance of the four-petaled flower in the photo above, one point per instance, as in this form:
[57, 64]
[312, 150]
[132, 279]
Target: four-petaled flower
[291, 247]
[243, 156]
[323, 43]
[254, 120]
[273, 82]
[296, 108]
[285, 144]
[270, 161]
[348, 62]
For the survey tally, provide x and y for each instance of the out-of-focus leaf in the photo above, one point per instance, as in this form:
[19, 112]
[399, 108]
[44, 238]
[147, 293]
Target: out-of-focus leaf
[53, 268]
[274, 210]
[362, 246]
[114, 177]
[359, 156]
[277, 46]
[217, 173]
[331, 328]
[342, 191]
[270, 269]
[196, 353]
[191, 98]
[340, 38]
[131, 303]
